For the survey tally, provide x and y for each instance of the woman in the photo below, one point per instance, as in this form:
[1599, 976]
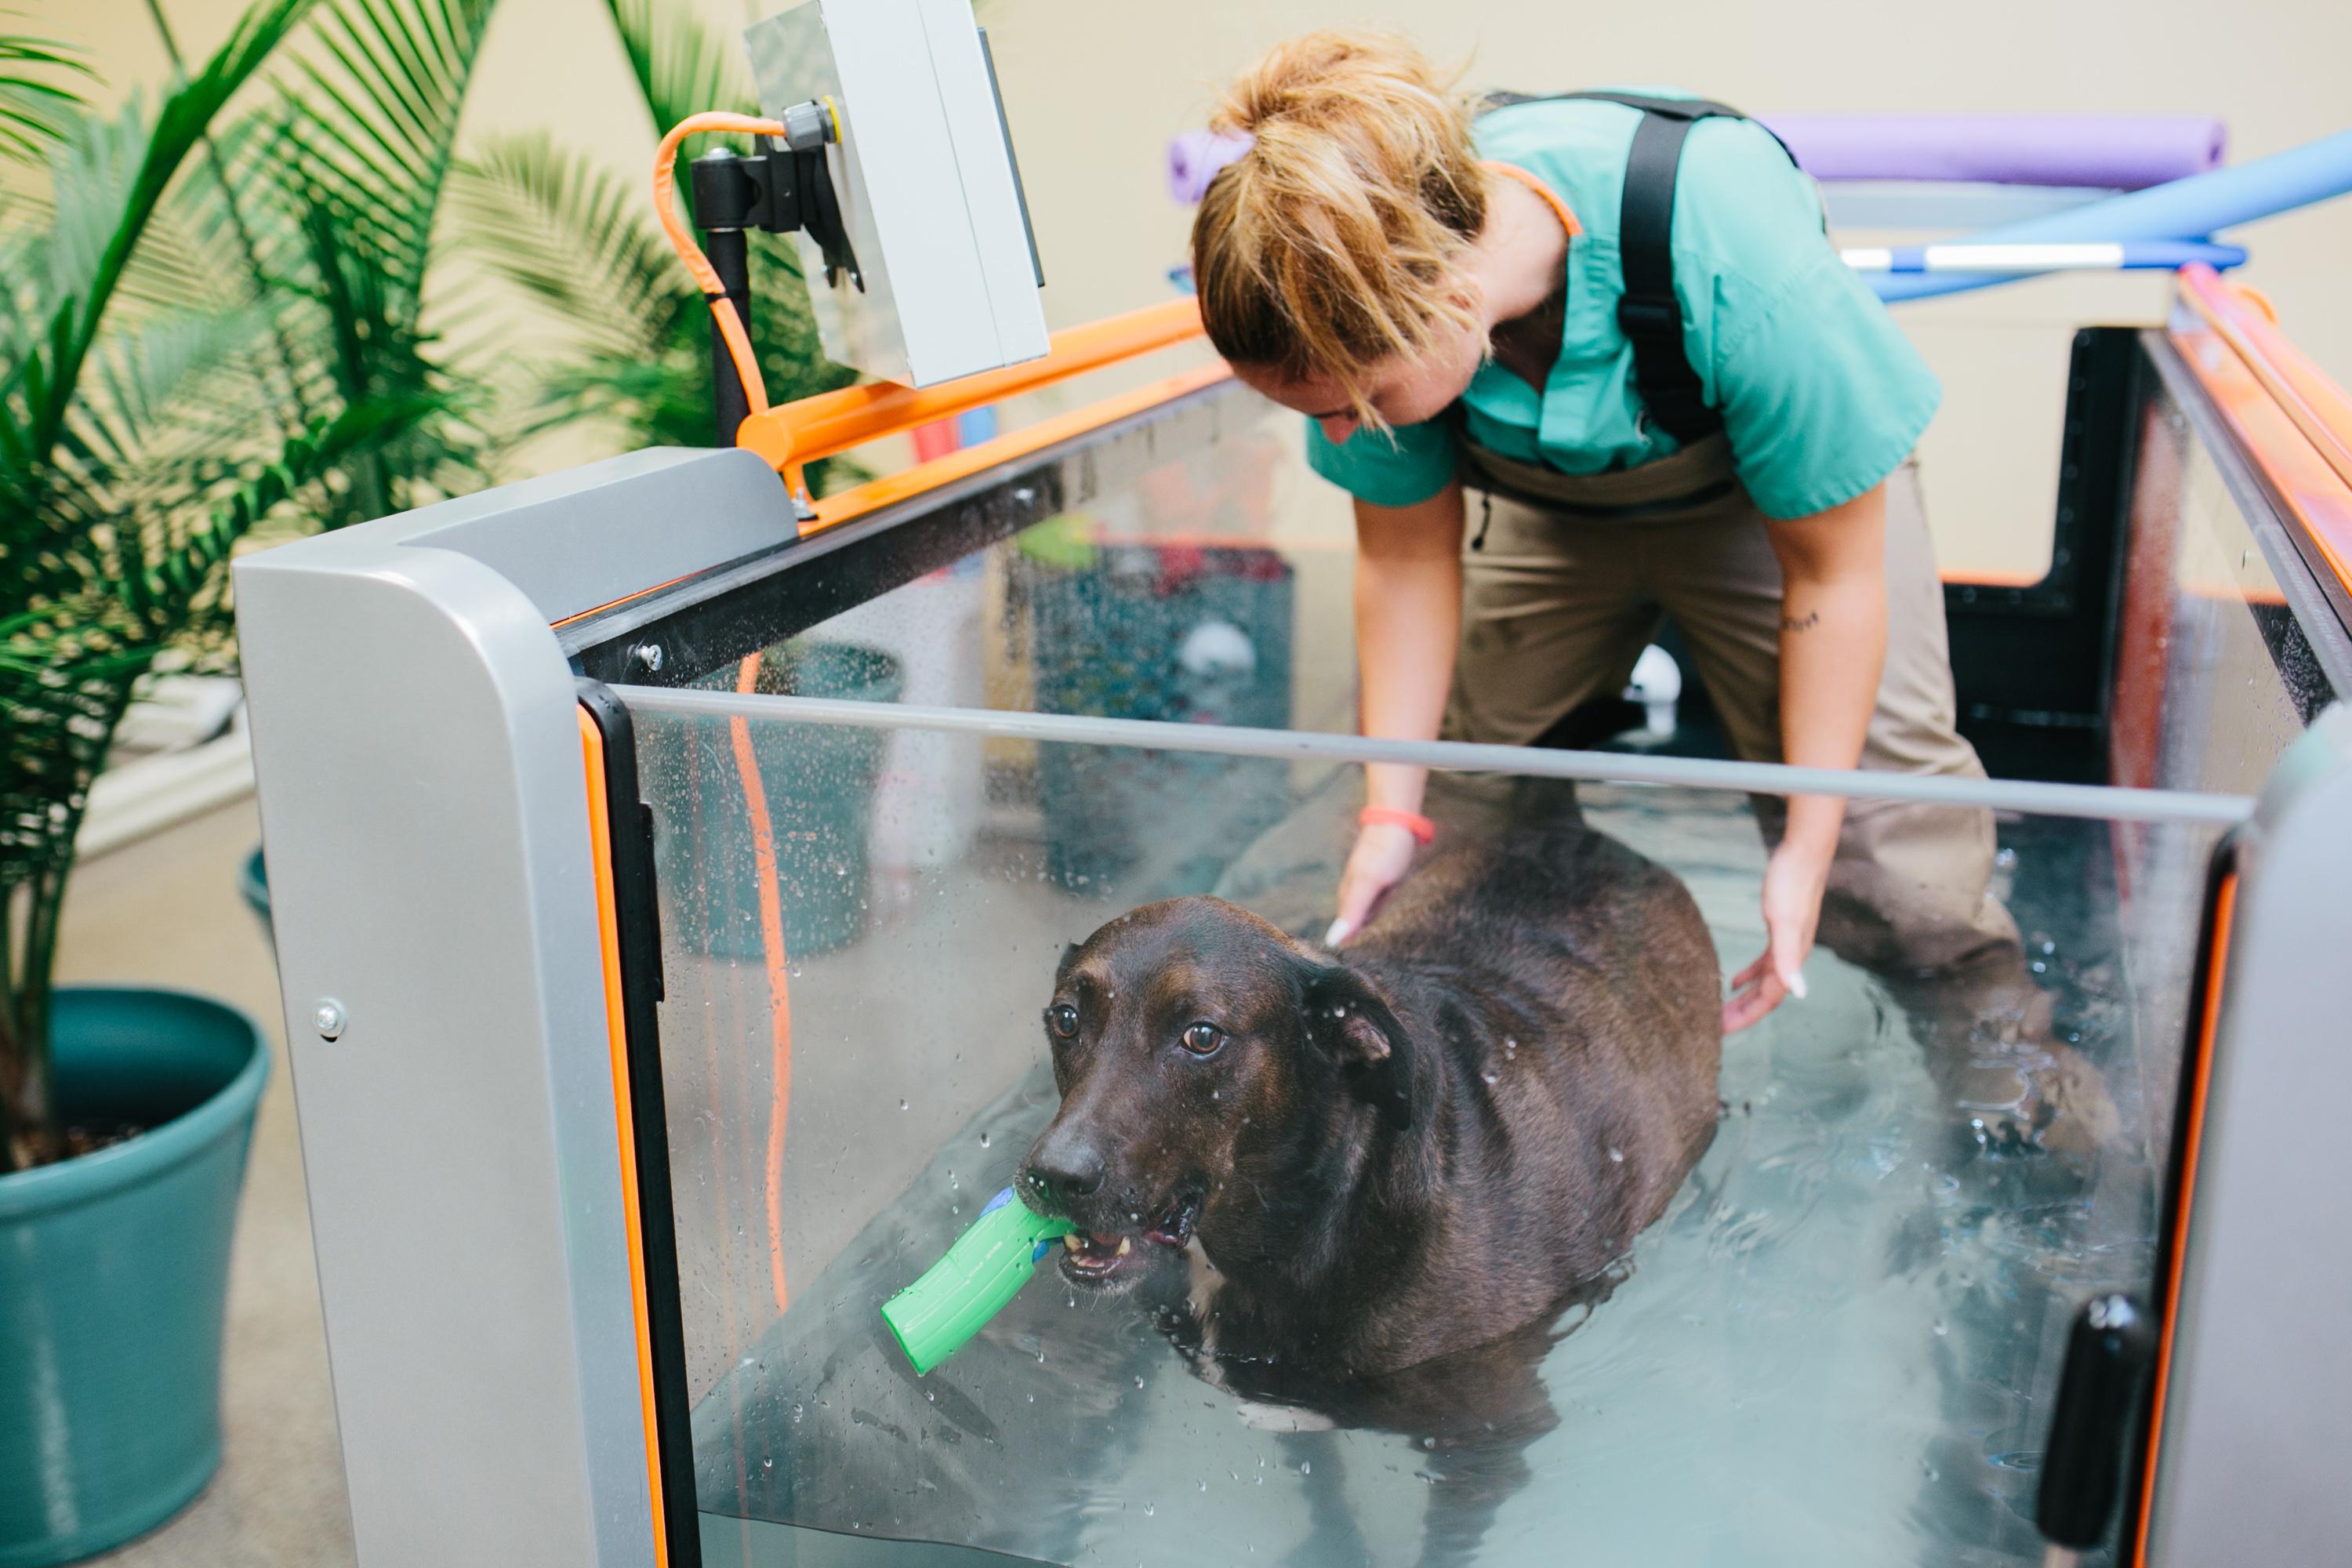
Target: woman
[1618, 326]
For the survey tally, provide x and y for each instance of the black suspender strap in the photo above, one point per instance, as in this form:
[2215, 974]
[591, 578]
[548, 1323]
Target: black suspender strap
[1650, 313]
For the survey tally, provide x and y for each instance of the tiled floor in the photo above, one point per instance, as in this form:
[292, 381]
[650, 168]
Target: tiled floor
[165, 911]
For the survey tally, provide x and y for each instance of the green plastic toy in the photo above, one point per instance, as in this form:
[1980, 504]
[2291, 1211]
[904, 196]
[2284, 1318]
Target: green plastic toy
[986, 1267]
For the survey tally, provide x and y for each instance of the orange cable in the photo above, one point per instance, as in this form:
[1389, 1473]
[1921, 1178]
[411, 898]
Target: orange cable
[706, 276]
[772, 940]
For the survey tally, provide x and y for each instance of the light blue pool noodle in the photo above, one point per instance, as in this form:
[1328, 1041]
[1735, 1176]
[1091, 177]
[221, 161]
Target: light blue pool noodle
[2183, 209]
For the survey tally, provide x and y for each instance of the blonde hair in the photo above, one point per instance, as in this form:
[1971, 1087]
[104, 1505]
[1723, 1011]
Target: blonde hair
[1332, 242]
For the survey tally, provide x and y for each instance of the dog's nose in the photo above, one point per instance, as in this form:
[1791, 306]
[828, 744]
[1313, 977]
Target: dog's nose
[1064, 1174]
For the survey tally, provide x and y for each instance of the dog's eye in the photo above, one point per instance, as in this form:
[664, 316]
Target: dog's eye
[1202, 1039]
[1063, 1019]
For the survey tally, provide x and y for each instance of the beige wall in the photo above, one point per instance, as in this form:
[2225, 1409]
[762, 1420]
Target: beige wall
[1094, 88]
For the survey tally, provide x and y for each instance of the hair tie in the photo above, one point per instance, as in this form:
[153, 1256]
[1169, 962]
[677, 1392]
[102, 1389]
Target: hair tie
[1422, 830]
[1195, 158]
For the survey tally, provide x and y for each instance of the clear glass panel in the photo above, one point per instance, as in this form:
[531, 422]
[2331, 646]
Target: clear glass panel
[1836, 1342]
[2214, 677]
[1212, 588]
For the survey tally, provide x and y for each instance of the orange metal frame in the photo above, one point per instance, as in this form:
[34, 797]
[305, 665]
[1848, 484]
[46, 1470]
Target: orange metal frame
[2201, 1078]
[2296, 423]
[790, 438]
[608, 928]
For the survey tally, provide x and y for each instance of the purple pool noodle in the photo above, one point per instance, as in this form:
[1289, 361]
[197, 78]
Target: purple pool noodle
[1195, 158]
[2116, 152]
[2192, 208]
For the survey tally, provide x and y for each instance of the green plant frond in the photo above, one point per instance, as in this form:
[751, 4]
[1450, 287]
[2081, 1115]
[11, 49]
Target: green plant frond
[577, 237]
[66, 668]
[681, 65]
[35, 105]
[93, 163]
[207, 244]
[184, 255]
[373, 122]
[50, 387]
[161, 372]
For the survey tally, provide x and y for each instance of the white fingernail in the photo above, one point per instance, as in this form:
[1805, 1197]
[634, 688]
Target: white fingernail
[1337, 934]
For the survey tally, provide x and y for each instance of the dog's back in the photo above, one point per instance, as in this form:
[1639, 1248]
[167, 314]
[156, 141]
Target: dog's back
[1569, 988]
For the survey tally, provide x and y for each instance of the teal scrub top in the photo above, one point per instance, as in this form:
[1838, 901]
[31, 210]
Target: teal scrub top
[1822, 395]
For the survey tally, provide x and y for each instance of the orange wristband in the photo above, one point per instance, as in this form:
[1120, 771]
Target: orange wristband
[1422, 830]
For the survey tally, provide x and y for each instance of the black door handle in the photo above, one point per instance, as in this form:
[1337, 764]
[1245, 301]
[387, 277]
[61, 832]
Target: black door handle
[2107, 1358]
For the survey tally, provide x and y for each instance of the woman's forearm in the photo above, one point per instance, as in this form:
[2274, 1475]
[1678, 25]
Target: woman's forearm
[1408, 619]
[1832, 647]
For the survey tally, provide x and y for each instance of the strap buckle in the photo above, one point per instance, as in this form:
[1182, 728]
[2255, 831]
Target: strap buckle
[1640, 316]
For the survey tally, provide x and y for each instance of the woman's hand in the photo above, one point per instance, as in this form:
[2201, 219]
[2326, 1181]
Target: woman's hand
[1383, 854]
[1793, 883]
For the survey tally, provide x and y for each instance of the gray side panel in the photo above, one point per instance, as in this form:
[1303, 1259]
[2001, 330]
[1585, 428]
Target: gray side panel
[2258, 1416]
[573, 540]
[425, 822]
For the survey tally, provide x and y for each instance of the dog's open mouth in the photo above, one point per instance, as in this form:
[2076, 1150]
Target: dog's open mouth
[1093, 1258]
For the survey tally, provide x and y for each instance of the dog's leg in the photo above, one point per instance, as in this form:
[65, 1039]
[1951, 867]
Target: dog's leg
[1332, 1536]
[1470, 1483]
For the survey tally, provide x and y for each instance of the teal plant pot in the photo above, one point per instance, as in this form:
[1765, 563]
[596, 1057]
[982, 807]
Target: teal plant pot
[820, 781]
[253, 887]
[114, 1273]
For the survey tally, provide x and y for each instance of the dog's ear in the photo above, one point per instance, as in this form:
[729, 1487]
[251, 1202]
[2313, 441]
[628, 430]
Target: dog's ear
[1350, 1020]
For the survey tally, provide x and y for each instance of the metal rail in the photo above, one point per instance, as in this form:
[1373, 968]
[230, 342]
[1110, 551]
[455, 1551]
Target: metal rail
[2102, 802]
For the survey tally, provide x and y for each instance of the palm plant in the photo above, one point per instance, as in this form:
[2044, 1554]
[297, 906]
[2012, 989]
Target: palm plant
[33, 101]
[585, 242]
[205, 329]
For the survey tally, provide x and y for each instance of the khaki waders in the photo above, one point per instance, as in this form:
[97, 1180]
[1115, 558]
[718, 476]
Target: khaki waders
[1576, 573]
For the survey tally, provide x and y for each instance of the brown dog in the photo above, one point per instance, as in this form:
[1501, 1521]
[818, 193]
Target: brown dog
[1420, 1145]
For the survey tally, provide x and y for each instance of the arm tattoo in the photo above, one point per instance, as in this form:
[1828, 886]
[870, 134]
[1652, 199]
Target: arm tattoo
[1800, 624]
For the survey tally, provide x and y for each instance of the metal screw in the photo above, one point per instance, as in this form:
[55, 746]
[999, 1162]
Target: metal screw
[327, 1017]
[648, 654]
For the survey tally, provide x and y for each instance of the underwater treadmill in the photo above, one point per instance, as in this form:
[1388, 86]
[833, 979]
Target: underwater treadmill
[689, 874]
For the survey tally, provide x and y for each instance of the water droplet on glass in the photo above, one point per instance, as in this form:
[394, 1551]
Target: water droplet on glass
[983, 1140]
[793, 970]
[799, 1411]
[1492, 1077]
[1942, 1328]
[1616, 1156]
[1139, 1383]
[1305, 1469]
[1429, 1442]
[902, 1105]
[768, 1462]
[1149, 1510]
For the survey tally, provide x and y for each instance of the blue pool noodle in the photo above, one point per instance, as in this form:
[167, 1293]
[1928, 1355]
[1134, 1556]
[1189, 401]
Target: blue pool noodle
[2139, 255]
[2183, 209]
